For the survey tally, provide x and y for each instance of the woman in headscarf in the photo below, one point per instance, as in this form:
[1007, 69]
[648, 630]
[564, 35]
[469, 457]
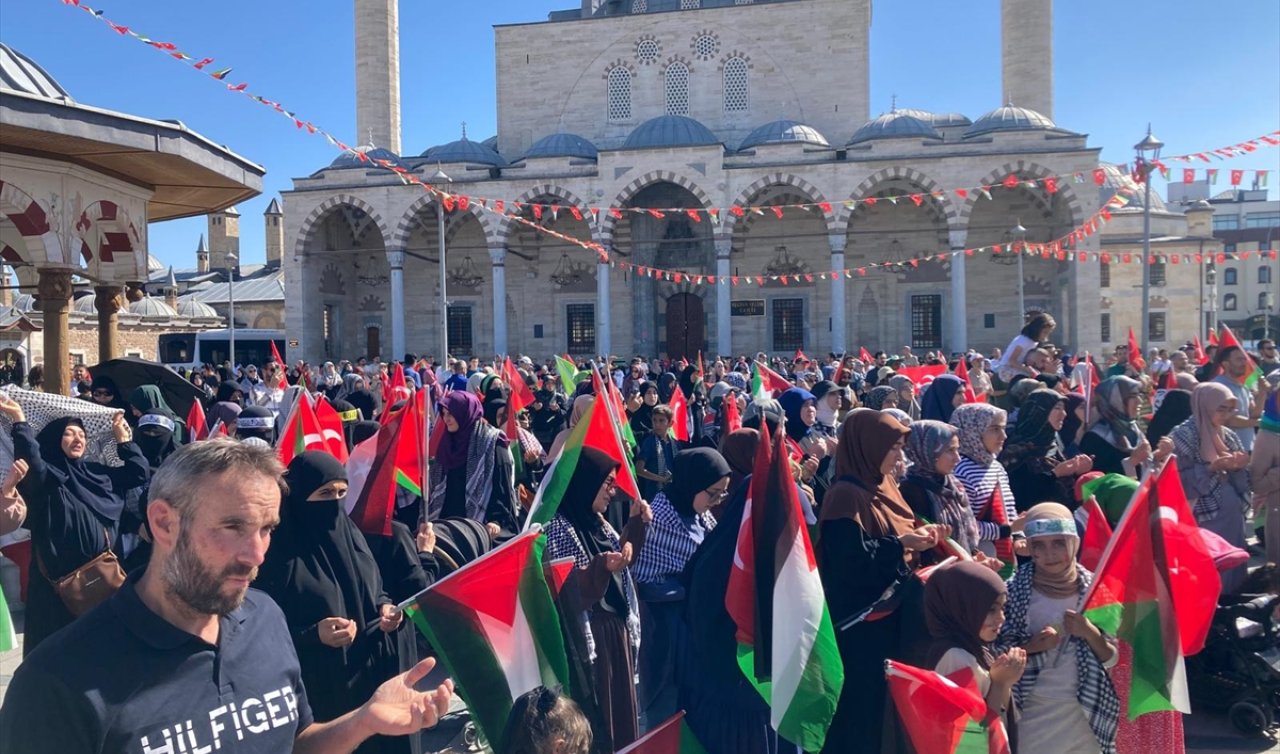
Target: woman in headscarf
[666, 387]
[319, 570]
[933, 493]
[603, 598]
[225, 412]
[105, 393]
[1215, 470]
[147, 399]
[546, 416]
[1065, 697]
[73, 506]
[1114, 441]
[355, 390]
[1038, 470]
[981, 427]
[473, 473]
[881, 397]
[1022, 387]
[1073, 426]
[739, 451]
[349, 415]
[906, 395]
[581, 405]
[800, 408]
[642, 417]
[229, 391]
[1174, 410]
[868, 542]
[941, 398]
[682, 520]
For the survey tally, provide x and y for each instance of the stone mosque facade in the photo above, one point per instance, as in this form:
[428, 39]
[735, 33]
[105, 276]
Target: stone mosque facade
[695, 105]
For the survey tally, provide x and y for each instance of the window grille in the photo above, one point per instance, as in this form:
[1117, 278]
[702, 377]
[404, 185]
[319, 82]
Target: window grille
[677, 84]
[926, 321]
[788, 324]
[581, 319]
[736, 86]
[647, 51]
[619, 107]
[461, 339]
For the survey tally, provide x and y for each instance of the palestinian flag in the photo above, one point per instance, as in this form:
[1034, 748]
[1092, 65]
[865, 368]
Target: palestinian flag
[996, 513]
[680, 418]
[391, 459]
[603, 434]
[520, 399]
[568, 374]
[944, 714]
[766, 383]
[495, 627]
[8, 637]
[197, 423]
[1097, 533]
[1156, 589]
[786, 644]
[620, 414]
[672, 737]
[1254, 374]
[302, 432]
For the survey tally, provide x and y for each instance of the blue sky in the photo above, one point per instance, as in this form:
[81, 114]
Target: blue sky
[1204, 75]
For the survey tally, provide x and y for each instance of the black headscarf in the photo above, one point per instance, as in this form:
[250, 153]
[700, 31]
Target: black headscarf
[491, 409]
[1174, 410]
[256, 415]
[666, 387]
[686, 381]
[85, 481]
[363, 400]
[693, 471]
[363, 430]
[1071, 424]
[937, 401]
[594, 467]
[1032, 438]
[642, 419]
[103, 382]
[157, 438]
[227, 390]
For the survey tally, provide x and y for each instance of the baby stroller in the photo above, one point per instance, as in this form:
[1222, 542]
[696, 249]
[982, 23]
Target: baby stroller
[1239, 669]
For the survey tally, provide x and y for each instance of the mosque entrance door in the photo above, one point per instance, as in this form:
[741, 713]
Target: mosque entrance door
[373, 342]
[686, 326]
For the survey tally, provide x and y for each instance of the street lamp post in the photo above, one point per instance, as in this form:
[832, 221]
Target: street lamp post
[438, 178]
[1149, 145]
[231, 258]
[1019, 234]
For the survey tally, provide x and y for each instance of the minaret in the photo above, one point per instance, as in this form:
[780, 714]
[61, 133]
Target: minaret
[171, 290]
[224, 238]
[378, 72]
[273, 219]
[202, 255]
[1026, 40]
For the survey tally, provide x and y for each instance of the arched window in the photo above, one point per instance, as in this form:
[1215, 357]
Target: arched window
[619, 89]
[639, 6]
[1229, 302]
[677, 85]
[736, 86]
[1229, 276]
[1264, 275]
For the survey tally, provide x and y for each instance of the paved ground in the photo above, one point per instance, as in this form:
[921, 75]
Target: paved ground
[1206, 732]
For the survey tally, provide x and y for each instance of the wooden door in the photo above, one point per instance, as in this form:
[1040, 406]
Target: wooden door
[373, 342]
[686, 326]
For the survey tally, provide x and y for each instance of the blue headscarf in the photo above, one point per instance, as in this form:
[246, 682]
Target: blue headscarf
[793, 401]
[936, 403]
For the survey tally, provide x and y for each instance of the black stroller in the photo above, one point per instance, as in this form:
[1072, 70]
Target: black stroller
[1239, 669]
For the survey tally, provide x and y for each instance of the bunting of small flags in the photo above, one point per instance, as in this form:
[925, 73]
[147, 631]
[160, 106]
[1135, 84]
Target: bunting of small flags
[1210, 176]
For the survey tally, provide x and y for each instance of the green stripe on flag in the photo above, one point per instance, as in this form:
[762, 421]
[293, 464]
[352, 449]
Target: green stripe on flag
[556, 481]
[568, 373]
[8, 637]
[403, 480]
[540, 613]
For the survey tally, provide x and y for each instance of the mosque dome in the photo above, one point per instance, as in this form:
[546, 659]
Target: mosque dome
[784, 132]
[192, 309]
[563, 145]
[20, 73]
[149, 306]
[895, 124]
[85, 305]
[465, 150]
[350, 160]
[1010, 118]
[937, 120]
[670, 131]
[491, 142]
[1115, 179]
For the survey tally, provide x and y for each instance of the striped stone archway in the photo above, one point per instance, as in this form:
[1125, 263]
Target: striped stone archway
[609, 222]
[1027, 171]
[400, 237]
[337, 200]
[779, 180]
[568, 199]
[933, 191]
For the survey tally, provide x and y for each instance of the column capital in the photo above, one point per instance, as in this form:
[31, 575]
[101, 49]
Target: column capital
[724, 247]
[958, 237]
[395, 258]
[498, 254]
[109, 299]
[54, 283]
[838, 242]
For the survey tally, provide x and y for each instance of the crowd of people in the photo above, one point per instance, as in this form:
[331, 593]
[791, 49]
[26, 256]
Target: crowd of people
[993, 453]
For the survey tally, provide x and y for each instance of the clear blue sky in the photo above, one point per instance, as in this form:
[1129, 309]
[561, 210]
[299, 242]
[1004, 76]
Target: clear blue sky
[1205, 75]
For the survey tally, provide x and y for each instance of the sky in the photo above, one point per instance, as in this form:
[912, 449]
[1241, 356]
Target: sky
[1203, 75]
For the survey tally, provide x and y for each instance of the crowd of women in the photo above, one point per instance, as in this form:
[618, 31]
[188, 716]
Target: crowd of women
[887, 470]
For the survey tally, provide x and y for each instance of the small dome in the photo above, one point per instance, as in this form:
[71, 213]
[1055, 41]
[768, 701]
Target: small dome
[1200, 206]
[670, 131]
[1010, 118]
[562, 145]
[85, 305]
[937, 120]
[192, 309]
[784, 132]
[350, 160]
[22, 74]
[491, 142]
[149, 306]
[465, 150]
[1115, 179]
[155, 265]
[895, 124]
[25, 303]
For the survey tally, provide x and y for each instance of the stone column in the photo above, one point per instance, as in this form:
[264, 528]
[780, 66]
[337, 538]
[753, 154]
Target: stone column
[395, 260]
[54, 289]
[109, 299]
[498, 262]
[839, 335]
[724, 294]
[604, 320]
[959, 303]
[644, 305]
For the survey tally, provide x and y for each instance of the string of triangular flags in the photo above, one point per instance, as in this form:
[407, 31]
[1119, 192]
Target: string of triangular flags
[1236, 177]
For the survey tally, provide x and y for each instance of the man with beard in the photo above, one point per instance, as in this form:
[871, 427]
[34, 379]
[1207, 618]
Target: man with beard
[185, 657]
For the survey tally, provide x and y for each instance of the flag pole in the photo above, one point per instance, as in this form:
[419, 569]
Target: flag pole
[1146, 486]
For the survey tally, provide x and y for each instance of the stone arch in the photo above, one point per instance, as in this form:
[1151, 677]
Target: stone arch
[400, 238]
[609, 222]
[779, 179]
[550, 189]
[930, 188]
[1027, 171]
[266, 321]
[322, 210]
[110, 243]
[31, 219]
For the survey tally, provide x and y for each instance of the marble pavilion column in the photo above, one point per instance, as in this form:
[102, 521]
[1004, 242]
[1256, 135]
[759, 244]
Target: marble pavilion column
[54, 289]
[395, 260]
[109, 300]
[959, 301]
[724, 295]
[839, 333]
[498, 266]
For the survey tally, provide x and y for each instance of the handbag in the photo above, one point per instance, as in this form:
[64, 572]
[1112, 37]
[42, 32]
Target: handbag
[91, 584]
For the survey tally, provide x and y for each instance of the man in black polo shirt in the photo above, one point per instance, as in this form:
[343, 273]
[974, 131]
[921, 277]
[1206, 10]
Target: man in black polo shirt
[186, 658]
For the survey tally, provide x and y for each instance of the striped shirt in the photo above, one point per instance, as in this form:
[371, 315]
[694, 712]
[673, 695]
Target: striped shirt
[670, 542]
[979, 482]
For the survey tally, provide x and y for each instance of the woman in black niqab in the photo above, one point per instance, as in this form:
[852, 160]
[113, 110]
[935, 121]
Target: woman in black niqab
[319, 568]
[667, 387]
